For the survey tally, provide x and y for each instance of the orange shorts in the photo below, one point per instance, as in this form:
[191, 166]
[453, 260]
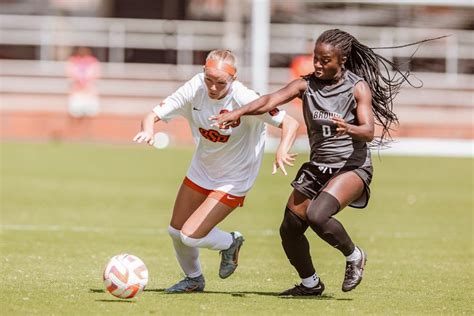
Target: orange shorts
[226, 198]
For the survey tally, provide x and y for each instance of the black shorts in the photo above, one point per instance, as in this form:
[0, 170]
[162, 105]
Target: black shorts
[312, 179]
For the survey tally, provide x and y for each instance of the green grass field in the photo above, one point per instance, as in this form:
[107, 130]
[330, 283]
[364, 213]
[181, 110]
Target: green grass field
[67, 208]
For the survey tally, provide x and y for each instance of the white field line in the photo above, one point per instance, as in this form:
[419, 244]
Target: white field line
[425, 147]
[160, 231]
[106, 230]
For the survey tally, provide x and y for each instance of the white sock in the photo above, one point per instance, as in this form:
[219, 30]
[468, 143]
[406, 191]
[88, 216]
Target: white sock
[311, 281]
[356, 255]
[188, 257]
[216, 240]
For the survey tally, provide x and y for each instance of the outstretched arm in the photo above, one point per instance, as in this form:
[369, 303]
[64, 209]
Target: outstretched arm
[289, 126]
[147, 129]
[263, 104]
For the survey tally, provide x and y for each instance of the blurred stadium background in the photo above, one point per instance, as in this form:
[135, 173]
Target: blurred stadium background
[148, 48]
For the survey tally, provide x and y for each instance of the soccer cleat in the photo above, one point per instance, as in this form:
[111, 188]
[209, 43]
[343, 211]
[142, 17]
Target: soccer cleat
[301, 290]
[230, 257]
[187, 285]
[354, 271]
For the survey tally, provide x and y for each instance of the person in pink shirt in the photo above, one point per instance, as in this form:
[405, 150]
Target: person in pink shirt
[83, 70]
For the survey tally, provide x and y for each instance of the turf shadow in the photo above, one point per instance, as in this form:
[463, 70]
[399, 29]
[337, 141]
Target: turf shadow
[277, 294]
[154, 290]
[238, 294]
[145, 290]
[245, 293]
[323, 297]
[96, 291]
[116, 301]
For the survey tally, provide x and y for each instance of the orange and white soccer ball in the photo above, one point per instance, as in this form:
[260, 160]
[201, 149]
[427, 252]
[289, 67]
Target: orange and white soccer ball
[125, 276]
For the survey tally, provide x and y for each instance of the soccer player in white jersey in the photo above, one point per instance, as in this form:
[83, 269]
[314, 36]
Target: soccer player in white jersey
[223, 168]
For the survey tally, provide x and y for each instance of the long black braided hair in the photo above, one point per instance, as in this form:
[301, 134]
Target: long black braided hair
[376, 71]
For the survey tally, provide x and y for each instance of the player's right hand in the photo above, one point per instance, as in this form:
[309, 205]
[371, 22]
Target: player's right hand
[144, 137]
[282, 159]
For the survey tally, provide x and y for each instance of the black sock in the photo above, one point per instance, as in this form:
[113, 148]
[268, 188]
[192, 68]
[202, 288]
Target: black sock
[295, 244]
[320, 217]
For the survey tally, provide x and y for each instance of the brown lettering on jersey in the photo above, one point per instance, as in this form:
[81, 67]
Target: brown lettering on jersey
[322, 115]
[213, 135]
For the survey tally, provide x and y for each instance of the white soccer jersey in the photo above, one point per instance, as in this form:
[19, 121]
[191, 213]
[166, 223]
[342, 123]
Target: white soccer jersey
[227, 160]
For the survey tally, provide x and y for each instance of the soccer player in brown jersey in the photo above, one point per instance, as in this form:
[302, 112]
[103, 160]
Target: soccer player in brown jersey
[349, 90]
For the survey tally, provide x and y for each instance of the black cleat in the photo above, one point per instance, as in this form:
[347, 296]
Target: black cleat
[230, 257]
[187, 285]
[354, 271]
[301, 290]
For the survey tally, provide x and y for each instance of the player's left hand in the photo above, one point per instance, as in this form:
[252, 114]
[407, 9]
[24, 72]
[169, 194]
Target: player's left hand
[283, 159]
[342, 126]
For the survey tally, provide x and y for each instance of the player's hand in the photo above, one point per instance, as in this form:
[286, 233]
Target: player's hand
[144, 137]
[342, 126]
[224, 120]
[282, 159]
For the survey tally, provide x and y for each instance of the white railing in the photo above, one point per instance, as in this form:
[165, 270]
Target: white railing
[131, 87]
[118, 34]
[125, 84]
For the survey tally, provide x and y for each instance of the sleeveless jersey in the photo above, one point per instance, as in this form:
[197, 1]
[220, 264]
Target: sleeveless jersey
[320, 104]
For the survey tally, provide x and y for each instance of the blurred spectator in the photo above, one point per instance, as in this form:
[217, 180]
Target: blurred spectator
[206, 9]
[83, 69]
[301, 65]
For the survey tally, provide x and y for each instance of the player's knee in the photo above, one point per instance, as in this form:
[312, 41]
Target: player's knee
[292, 226]
[174, 233]
[190, 241]
[316, 218]
[321, 210]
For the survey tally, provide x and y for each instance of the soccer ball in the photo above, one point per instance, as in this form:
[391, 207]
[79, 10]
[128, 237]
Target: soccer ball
[125, 276]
